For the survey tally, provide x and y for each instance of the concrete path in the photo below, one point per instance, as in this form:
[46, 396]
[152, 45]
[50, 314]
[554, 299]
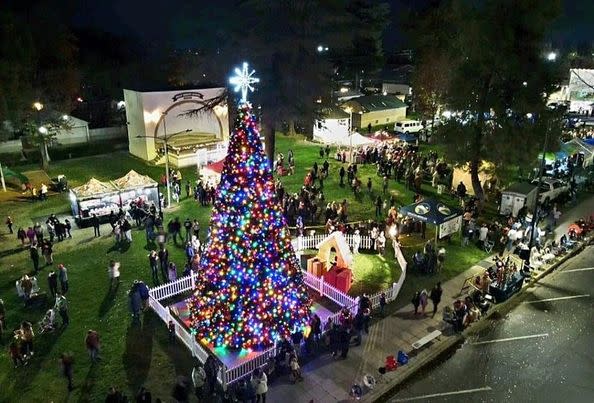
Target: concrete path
[327, 379]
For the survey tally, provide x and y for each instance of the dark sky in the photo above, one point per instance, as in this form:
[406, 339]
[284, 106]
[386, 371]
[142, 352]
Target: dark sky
[173, 20]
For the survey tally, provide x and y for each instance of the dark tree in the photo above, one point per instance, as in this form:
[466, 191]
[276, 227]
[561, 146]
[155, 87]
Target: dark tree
[498, 83]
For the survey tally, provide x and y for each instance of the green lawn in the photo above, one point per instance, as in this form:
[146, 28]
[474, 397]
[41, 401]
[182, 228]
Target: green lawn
[133, 356]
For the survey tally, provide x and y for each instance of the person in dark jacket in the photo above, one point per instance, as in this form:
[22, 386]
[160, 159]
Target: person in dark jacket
[34, 257]
[416, 301]
[435, 296]
[344, 338]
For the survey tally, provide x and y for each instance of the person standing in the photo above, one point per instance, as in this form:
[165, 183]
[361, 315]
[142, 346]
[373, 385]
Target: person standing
[66, 363]
[341, 173]
[385, 185]
[416, 300]
[382, 303]
[211, 367]
[68, 228]
[47, 250]
[9, 224]
[95, 223]
[34, 253]
[188, 228]
[423, 298]
[435, 297]
[198, 379]
[113, 271]
[172, 271]
[63, 277]
[52, 281]
[92, 344]
[62, 307]
[154, 265]
[260, 384]
[196, 229]
[369, 185]
[378, 206]
[21, 235]
[164, 260]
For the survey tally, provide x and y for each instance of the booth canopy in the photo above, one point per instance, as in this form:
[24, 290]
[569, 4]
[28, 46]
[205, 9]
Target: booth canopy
[93, 187]
[134, 180]
[430, 211]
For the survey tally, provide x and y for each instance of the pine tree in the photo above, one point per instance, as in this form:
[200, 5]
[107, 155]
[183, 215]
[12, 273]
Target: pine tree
[249, 290]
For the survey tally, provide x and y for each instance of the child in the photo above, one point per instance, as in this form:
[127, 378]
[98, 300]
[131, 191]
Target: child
[295, 368]
[14, 352]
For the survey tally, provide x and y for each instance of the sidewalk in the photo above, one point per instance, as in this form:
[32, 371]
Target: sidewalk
[327, 379]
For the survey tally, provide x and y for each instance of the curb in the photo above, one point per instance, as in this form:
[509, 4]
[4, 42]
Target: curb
[384, 391]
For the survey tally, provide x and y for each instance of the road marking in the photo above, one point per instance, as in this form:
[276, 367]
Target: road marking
[572, 270]
[457, 392]
[557, 299]
[532, 336]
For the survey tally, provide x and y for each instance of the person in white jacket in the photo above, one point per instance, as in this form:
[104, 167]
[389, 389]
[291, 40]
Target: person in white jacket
[260, 384]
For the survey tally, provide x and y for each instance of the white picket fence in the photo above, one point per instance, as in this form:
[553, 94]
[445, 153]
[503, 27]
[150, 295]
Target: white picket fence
[311, 242]
[226, 375]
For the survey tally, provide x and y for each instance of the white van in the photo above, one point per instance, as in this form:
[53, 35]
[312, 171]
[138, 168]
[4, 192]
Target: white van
[408, 126]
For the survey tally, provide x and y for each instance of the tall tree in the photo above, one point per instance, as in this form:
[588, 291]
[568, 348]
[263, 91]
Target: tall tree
[281, 39]
[498, 83]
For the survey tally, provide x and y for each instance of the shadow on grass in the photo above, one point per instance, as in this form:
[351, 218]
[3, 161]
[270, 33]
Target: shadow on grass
[121, 247]
[108, 301]
[87, 386]
[139, 350]
[14, 251]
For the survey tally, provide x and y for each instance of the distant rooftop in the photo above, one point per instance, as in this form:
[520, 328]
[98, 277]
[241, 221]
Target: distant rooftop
[370, 103]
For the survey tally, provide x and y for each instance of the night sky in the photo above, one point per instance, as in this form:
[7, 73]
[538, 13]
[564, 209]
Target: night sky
[183, 22]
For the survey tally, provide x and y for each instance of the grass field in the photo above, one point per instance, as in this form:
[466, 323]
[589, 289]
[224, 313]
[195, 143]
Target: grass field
[136, 356]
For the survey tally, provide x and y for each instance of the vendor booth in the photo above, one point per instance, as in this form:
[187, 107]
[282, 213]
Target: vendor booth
[137, 188]
[102, 198]
[431, 211]
[94, 197]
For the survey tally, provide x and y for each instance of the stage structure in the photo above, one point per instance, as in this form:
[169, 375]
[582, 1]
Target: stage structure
[159, 119]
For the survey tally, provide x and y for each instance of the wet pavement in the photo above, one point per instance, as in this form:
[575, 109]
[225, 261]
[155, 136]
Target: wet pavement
[541, 351]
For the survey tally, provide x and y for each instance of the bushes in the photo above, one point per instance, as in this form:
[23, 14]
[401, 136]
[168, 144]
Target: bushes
[62, 152]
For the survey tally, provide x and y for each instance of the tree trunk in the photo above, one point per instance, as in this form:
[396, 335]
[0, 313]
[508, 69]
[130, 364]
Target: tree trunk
[45, 158]
[270, 140]
[476, 181]
[291, 128]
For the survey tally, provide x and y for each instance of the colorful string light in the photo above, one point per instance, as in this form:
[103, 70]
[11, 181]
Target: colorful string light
[249, 289]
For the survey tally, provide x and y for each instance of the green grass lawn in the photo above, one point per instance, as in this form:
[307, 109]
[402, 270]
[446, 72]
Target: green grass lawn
[137, 356]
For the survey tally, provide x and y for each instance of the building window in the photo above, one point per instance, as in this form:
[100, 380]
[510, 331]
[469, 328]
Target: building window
[376, 122]
[387, 119]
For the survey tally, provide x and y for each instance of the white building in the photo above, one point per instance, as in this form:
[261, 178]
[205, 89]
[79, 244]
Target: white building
[581, 91]
[154, 117]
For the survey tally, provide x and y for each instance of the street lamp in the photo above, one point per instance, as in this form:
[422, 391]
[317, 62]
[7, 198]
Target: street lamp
[537, 201]
[43, 130]
[166, 149]
[350, 112]
[551, 56]
[38, 106]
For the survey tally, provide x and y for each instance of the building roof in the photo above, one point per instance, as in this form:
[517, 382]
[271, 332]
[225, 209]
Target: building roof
[372, 103]
[332, 112]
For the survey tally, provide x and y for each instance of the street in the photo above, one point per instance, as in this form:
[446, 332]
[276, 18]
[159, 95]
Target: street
[541, 351]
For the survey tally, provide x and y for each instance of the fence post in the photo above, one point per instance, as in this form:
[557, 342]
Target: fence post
[321, 286]
[299, 242]
[193, 276]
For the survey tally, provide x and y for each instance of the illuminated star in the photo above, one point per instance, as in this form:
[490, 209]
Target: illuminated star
[243, 80]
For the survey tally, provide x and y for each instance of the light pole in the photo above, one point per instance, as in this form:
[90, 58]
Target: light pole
[166, 150]
[350, 111]
[537, 201]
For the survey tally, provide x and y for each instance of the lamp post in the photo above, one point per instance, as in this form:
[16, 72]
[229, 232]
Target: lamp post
[537, 201]
[166, 150]
[350, 111]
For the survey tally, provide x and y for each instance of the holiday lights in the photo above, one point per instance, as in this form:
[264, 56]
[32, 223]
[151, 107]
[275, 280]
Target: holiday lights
[249, 289]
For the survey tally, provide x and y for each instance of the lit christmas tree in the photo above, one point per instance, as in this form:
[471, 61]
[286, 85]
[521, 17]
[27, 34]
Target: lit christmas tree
[249, 290]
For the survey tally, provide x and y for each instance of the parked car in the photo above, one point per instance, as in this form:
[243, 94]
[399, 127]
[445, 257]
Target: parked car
[551, 189]
[408, 126]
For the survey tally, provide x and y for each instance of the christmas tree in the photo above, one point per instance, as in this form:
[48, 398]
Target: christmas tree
[249, 290]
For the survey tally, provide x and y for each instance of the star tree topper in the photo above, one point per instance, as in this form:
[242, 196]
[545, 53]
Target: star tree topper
[243, 80]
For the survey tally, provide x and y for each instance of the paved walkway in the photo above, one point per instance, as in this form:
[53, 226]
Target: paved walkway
[327, 379]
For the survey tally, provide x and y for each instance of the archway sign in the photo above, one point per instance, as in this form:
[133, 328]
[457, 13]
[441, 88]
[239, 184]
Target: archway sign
[243, 80]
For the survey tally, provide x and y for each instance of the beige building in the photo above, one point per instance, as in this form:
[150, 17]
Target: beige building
[377, 110]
